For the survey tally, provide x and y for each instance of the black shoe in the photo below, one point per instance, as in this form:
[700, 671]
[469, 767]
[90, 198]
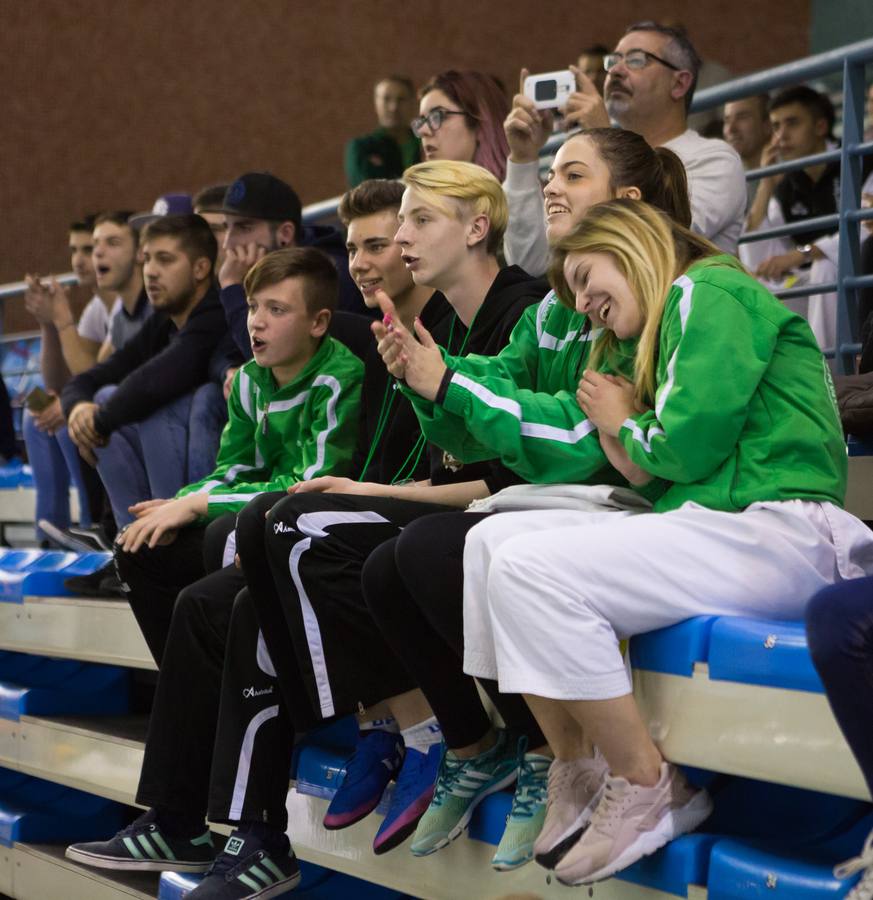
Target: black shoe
[248, 868]
[102, 582]
[143, 847]
[80, 540]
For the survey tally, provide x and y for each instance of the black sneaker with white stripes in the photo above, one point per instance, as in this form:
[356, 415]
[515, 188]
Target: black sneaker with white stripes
[246, 869]
[143, 847]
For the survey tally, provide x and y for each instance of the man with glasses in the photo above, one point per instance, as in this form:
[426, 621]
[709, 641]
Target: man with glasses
[651, 76]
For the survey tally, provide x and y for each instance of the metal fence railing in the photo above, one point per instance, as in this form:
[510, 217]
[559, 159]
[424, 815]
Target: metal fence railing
[850, 60]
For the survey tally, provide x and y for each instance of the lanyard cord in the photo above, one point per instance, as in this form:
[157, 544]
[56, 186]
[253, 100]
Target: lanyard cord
[409, 465]
[381, 421]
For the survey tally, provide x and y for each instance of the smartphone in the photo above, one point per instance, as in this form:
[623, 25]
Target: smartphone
[550, 89]
[37, 400]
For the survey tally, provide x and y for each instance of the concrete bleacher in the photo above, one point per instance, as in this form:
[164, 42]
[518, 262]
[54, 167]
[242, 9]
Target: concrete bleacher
[736, 699]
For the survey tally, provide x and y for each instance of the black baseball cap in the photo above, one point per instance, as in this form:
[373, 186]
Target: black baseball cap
[260, 195]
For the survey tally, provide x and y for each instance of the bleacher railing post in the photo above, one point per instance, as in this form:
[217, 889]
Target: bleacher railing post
[849, 253]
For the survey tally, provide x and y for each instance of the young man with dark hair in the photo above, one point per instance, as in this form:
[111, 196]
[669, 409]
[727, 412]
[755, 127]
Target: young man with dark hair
[747, 129]
[650, 80]
[263, 213]
[129, 414]
[292, 414]
[118, 269]
[392, 147]
[802, 121]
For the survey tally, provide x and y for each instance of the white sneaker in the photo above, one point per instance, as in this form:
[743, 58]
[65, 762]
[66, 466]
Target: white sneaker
[573, 791]
[630, 822]
[863, 890]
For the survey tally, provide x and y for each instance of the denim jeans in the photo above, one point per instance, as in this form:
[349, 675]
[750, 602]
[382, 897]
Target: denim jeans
[55, 462]
[150, 459]
[839, 632]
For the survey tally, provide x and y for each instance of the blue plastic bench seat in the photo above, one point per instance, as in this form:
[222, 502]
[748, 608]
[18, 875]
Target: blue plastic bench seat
[35, 685]
[317, 883]
[15, 475]
[750, 651]
[36, 811]
[41, 573]
[741, 869]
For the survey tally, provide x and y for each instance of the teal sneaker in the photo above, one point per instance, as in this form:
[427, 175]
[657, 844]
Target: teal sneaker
[462, 784]
[527, 815]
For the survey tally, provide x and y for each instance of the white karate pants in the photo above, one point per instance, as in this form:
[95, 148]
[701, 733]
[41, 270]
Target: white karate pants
[548, 595]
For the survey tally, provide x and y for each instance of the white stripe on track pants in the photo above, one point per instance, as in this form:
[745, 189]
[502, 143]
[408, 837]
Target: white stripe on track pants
[549, 594]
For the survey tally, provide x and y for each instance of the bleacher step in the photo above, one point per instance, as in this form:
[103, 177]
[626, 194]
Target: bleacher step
[81, 628]
[102, 756]
[785, 736]
[41, 871]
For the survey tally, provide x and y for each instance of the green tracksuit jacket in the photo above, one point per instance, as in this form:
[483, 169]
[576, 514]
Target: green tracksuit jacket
[275, 436]
[744, 407]
[521, 405]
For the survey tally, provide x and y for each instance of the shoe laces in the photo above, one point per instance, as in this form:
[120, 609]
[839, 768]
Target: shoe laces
[368, 749]
[864, 888]
[611, 806]
[409, 776]
[531, 789]
[146, 820]
[227, 866]
[448, 779]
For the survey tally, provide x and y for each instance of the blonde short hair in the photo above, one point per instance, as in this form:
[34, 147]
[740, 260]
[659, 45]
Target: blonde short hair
[474, 187]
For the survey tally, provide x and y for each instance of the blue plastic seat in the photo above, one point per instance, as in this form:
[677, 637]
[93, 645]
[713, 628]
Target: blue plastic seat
[34, 685]
[36, 811]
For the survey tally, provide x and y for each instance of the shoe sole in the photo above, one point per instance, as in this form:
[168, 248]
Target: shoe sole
[135, 865]
[673, 825]
[464, 821]
[276, 890]
[339, 822]
[397, 837]
[511, 866]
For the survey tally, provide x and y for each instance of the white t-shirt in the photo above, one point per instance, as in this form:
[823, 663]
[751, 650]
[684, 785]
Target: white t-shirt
[94, 321]
[716, 189]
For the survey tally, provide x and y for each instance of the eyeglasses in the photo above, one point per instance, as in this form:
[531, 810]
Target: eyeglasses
[434, 119]
[635, 59]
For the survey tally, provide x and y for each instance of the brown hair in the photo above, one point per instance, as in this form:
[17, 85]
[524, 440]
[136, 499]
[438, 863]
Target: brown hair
[368, 198]
[119, 217]
[193, 233]
[483, 101]
[658, 173]
[320, 279]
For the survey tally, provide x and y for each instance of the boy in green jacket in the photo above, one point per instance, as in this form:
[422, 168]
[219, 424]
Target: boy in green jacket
[292, 415]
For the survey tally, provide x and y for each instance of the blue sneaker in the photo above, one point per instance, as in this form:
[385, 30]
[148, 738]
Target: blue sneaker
[377, 759]
[412, 795]
[462, 785]
[246, 869]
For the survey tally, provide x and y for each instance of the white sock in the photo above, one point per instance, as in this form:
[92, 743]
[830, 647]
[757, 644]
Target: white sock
[423, 735]
[386, 723]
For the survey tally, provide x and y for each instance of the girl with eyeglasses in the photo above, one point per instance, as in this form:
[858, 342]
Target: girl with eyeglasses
[461, 118]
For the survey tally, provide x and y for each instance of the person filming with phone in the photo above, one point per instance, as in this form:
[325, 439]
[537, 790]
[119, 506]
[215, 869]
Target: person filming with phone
[650, 80]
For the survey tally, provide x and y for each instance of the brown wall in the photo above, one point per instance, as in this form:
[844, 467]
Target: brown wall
[108, 104]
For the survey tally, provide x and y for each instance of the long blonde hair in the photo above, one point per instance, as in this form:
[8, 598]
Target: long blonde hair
[650, 250]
